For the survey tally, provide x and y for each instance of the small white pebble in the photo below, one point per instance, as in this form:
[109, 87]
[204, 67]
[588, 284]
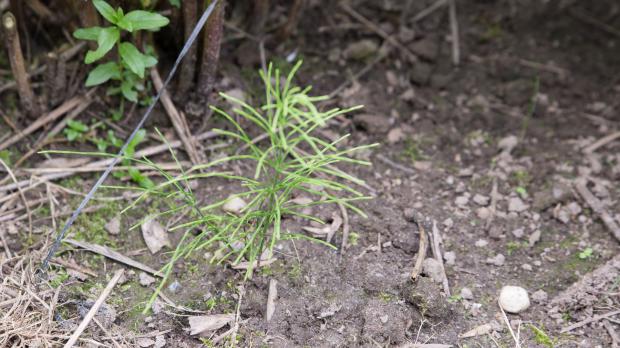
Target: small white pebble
[514, 299]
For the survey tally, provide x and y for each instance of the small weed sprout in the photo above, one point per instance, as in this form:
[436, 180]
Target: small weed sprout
[290, 160]
[131, 64]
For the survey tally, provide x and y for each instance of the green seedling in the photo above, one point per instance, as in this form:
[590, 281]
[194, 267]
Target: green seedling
[541, 337]
[5, 156]
[75, 130]
[291, 160]
[586, 253]
[130, 65]
[455, 298]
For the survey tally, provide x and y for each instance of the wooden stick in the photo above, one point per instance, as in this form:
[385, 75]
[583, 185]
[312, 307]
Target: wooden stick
[589, 320]
[50, 117]
[188, 66]
[291, 21]
[114, 255]
[178, 120]
[601, 142]
[427, 11]
[93, 310]
[57, 129]
[271, 299]
[142, 153]
[16, 58]
[597, 207]
[375, 28]
[345, 227]
[439, 257]
[91, 169]
[417, 267]
[454, 29]
[212, 38]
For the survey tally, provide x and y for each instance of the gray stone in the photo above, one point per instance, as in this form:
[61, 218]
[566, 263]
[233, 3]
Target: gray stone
[432, 268]
[421, 73]
[466, 294]
[539, 296]
[427, 48]
[498, 260]
[360, 49]
[373, 124]
[515, 204]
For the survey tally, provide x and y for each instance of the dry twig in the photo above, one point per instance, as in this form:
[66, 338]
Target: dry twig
[601, 142]
[178, 120]
[597, 207]
[271, 299]
[417, 268]
[454, 29]
[111, 254]
[439, 257]
[93, 310]
[153, 150]
[375, 28]
[16, 58]
[50, 117]
[589, 320]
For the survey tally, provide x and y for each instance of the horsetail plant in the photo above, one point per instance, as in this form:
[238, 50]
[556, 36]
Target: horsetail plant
[288, 160]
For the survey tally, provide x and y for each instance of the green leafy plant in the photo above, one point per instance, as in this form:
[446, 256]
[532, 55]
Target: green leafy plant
[290, 160]
[130, 65]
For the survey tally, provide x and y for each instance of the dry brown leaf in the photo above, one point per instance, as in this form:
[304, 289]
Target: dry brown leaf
[255, 264]
[155, 235]
[478, 331]
[203, 324]
[327, 230]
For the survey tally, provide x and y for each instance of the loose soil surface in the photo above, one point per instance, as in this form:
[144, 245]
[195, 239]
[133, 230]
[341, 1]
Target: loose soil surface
[536, 84]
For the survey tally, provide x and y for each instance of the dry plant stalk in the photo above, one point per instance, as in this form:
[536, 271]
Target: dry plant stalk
[212, 39]
[18, 67]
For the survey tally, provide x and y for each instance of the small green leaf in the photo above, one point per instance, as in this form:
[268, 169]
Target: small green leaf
[128, 92]
[143, 20]
[586, 253]
[102, 73]
[140, 179]
[102, 145]
[106, 11]
[77, 126]
[106, 40]
[133, 58]
[71, 134]
[91, 33]
[131, 147]
[116, 142]
[175, 3]
[149, 61]
[5, 155]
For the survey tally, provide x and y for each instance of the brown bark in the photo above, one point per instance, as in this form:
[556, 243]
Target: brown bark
[212, 39]
[88, 17]
[55, 78]
[16, 58]
[188, 68]
[261, 11]
[291, 22]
